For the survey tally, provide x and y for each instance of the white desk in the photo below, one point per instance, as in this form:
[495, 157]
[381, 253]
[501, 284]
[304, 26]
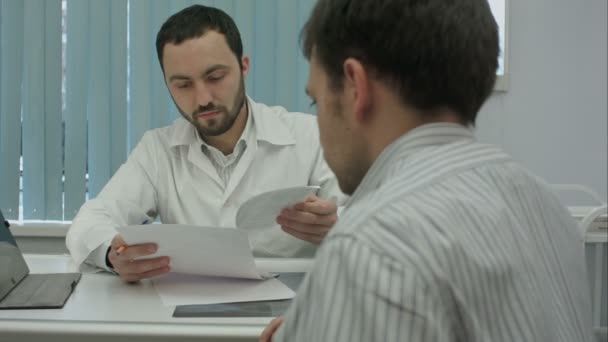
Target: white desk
[103, 308]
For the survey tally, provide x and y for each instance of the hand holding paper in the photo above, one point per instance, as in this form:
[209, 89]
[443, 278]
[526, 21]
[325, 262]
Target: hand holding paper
[126, 262]
[214, 258]
[310, 220]
[262, 210]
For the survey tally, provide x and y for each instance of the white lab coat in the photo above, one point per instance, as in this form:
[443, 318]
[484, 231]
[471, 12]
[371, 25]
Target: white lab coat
[169, 177]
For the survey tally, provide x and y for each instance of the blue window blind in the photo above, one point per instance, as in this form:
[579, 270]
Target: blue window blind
[11, 65]
[80, 84]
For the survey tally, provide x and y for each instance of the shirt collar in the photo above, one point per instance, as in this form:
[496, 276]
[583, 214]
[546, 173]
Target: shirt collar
[269, 124]
[263, 127]
[422, 137]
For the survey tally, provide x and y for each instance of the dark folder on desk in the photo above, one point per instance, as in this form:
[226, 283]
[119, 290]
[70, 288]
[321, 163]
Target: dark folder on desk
[266, 308]
[21, 290]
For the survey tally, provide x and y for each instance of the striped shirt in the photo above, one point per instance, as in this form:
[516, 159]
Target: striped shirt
[225, 164]
[446, 239]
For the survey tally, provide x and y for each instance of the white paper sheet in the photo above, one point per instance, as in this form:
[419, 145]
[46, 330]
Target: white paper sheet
[261, 211]
[182, 289]
[220, 252]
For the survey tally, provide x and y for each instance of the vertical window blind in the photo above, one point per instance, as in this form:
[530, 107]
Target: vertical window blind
[80, 84]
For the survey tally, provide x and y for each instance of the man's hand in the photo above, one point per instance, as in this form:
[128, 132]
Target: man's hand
[271, 329]
[310, 220]
[131, 270]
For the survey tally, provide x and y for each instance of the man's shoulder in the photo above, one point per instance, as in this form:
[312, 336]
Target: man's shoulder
[279, 112]
[167, 136]
[444, 209]
[277, 121]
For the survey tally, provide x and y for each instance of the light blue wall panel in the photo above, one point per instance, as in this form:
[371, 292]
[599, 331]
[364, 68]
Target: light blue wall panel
[11, 63]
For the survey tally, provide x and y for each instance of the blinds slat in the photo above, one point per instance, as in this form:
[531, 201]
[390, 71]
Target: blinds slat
[243, 17]
[118, 84]
[33, 112]
[161, 101]
[226, 6]
[209, 3]
[11, 63]
[99, 97]
[178, 5]
[286, 54]
[53, 115]
[140, 64]
[264, 55]
[77, 89]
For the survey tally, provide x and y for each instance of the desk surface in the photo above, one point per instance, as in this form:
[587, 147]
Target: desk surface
[105, 306]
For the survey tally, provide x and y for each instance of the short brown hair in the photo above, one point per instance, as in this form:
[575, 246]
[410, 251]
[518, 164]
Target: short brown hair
[195, 21]
[435, 53]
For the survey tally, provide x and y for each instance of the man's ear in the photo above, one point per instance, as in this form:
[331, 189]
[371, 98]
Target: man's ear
[245, 66]
[357, 87]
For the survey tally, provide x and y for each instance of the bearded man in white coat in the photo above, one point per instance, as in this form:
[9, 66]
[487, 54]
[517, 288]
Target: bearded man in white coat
[226, 149]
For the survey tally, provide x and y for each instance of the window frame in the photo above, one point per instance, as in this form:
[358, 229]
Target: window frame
[502, 80]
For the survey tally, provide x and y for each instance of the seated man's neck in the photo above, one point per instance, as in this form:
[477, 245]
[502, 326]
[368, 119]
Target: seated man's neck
[227, 141]
[392, 120]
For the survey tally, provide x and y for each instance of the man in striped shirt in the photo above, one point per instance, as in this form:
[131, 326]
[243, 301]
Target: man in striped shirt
[444, 238]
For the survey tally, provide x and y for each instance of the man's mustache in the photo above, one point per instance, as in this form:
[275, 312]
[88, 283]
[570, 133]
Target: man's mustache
[208, 108]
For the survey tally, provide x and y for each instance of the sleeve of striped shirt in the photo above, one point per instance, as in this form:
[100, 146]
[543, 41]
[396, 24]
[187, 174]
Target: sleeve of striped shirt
[356, 294]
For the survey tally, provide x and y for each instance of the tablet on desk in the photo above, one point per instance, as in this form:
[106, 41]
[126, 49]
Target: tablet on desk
[21, 290]
[270, 308]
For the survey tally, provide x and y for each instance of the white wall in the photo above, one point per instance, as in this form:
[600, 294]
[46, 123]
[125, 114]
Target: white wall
[553, 118]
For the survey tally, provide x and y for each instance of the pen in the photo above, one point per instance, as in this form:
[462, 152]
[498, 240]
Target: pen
[120, 250]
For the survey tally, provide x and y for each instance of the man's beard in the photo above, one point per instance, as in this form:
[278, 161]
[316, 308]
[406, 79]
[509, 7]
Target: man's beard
[223, 122]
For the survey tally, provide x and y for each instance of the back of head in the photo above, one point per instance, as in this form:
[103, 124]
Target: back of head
[195, 21]
[434, 53]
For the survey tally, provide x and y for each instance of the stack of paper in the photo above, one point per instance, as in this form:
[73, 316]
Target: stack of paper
[185, 289]
[213, 264]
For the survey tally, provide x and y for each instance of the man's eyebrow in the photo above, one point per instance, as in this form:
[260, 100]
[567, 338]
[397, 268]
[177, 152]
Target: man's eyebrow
[178, 77]
[210, 70]
[215, 68]
[307, 92]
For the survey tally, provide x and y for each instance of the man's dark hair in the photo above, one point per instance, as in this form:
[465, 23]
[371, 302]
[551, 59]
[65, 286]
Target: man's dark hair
[434, 53]
[195, 21]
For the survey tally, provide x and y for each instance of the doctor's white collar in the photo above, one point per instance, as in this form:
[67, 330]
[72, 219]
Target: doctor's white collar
[269, 128]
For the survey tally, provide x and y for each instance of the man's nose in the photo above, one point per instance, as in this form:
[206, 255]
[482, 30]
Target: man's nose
[203, 96]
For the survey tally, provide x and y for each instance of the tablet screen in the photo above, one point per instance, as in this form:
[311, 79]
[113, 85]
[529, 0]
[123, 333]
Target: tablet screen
[12, 265]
